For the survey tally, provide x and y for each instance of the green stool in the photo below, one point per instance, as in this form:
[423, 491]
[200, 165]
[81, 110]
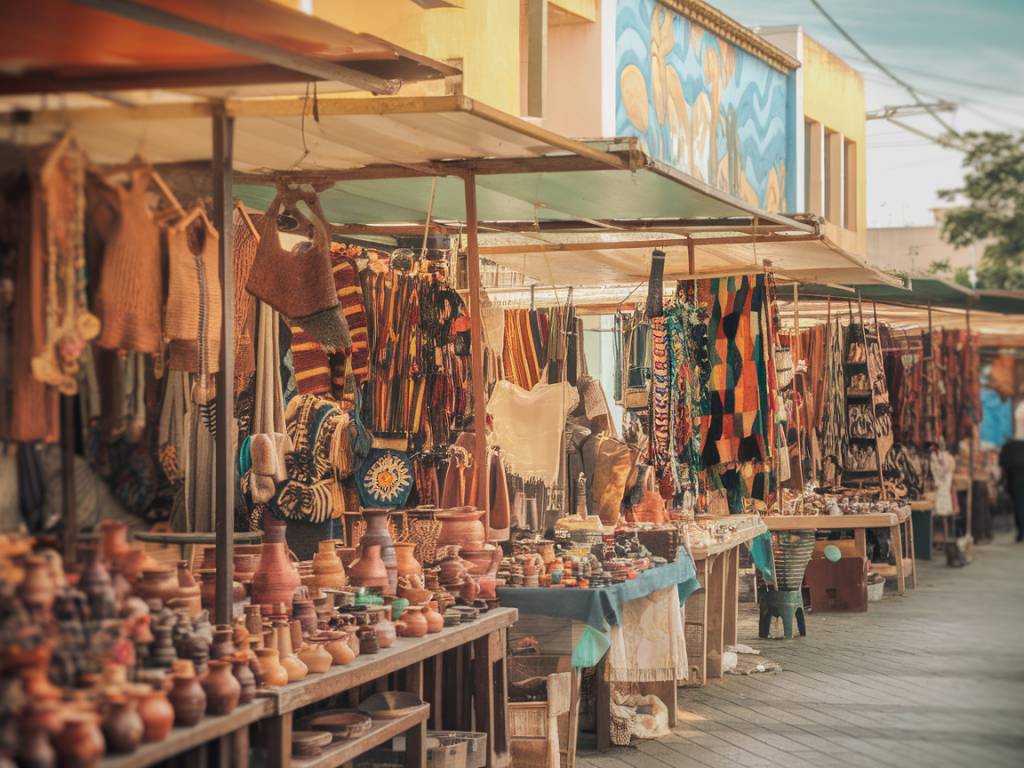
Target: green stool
[786, 604]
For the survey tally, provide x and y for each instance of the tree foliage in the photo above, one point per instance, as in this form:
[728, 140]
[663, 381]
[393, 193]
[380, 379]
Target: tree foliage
[990, 207]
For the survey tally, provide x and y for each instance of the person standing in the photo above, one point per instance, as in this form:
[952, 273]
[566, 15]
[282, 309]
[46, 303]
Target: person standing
[1011, 460]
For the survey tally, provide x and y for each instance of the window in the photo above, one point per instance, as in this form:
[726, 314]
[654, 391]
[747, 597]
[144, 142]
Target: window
[833, 176]
[849, 184]
[812, 167]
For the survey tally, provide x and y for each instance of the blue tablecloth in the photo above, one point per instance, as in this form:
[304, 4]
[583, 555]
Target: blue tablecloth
[599, 609]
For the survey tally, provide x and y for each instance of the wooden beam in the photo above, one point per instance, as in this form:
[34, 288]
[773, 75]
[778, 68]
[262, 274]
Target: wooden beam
[537, 57]
[674, 242]
[223, 137]
[297, 62]
[476, 345]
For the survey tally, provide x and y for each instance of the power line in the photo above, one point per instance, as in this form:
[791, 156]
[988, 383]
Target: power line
[973, 84]
[881, 67]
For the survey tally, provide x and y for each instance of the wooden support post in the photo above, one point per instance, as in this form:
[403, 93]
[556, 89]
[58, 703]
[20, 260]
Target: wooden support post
[968, 522]
[476, 346]
[69, 509]
[795, 354]
[537, 57]
[224, 464]
[715, 627]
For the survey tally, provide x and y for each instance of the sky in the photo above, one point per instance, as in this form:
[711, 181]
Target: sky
[969, 52]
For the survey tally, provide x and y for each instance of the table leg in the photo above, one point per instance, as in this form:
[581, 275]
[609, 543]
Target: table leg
[238, 745]
[912, 552]
[897, 545]
[732, 595]
[716, 612]
[697, 616]
[860, 540]
[602, 704]
[435, 690]
[415, 737]
[490, 694]
[279, 741]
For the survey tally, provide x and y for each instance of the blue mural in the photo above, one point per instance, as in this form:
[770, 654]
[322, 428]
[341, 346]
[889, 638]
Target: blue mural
[703, 105]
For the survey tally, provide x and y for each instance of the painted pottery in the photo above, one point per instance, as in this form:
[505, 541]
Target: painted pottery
[413, 623]
[37, 589]
[483, 560]
[158, 583]
[316, 657]
[369, 570]
[186, 695]
[293, 665]
[274, 675]
[157, 715]
[377, 533]
[123, 727]
[245, 677]
[223, 691]
[80, 742]
[435, 621]
[327, 566]
[462, 525]
[408, 565]
[276, 578]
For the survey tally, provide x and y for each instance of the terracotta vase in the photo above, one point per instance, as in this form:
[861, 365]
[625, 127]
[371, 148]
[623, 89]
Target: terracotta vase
[159, 583]
[96, 584]
[157, 715]
[80, 742]
[413, 623]
[488, 586]
[408, 565]
[186, 695]
[435, 621]
[188, 589]
[452, 570]
[369, 570]
[44, 714]
[462, 525]
[484, 560]
[133, 561]
[368, 640]
[327, 566]
[254, 623]
[338, 646]
[34, 748]
[123, 728]
[470, 589]
[245, 677]
[245, 566]
[37, 589]
[273, 674]
[305, 612]
[385, 628]
[293, 665]
[114, 544]
[276, 578]
[316, 657]
[35, 676]
[223, 691]
[377, 533]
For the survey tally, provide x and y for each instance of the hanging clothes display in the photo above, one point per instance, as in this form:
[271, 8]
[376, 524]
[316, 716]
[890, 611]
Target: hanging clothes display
[192, 314]
[833, 410]
[524, 352]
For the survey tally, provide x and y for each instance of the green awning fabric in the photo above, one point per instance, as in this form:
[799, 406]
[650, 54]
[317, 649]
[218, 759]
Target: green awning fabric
[920, 292]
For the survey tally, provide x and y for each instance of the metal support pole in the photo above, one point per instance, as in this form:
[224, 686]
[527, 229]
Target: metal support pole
[223, 138]
[476, 346]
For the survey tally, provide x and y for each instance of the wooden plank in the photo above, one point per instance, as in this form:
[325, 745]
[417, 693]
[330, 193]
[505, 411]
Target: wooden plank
[537, 57]
[476, 335]
[183, 739]
[732, 596]
[696, 615]
[602, 700]
[739, 537]
[279, 740]
[342, 752]
[367, 668]
[829, 522]
[715, 627]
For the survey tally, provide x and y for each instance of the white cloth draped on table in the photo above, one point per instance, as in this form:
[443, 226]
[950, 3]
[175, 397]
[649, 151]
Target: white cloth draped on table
[649, 645]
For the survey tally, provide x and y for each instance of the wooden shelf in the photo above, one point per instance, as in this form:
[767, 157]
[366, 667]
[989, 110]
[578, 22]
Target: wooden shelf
[181, 740]
[341, 752]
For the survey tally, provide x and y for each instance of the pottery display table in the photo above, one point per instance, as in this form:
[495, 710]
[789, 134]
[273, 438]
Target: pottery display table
[897, 522]
[712, 612]
[477, 685]
[231, 732]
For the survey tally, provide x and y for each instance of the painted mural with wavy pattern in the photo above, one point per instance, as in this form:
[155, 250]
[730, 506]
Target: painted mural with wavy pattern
[701, 104]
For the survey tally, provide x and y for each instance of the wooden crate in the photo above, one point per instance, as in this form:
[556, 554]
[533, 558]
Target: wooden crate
[535, 724]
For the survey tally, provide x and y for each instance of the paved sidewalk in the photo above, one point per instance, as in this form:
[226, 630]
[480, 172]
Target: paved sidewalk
[934, 678]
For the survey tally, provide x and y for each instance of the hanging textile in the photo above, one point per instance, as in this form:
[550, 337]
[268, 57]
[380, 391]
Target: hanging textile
[833, 405]
[268, 404]
[524, 354]
[531, 446]
[244, 241]
[193, 311]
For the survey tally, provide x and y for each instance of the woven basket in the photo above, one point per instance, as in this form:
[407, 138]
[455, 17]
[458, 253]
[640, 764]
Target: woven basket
[793, 551]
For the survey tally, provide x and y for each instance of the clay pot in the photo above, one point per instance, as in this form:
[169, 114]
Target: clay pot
[157, 715]
[327, 566]
[188, 589]
[377, 533]
[435, 621]
[488, 586]
[462, 525]
[245, 677]
[223, 644]
[245, 566]
[37, 589]
[305, 612]
[159, 583]
[44, 714]
[452, 570]
[274, 675]
[96, 584]
[254, 624]
[223, 691]
[483, 560]
[338, 646]
[470, 589]
[123, 728]
[347, 555]
[35, 676]
[80, 742]
[34, 748]
[186, 695]
[368, 642]
[114, 544]
[276, 578]
[133, 561]
[316, 657]
[293, 665]
[385, 628]
[369, 570]
[408, 565]
[413, 623]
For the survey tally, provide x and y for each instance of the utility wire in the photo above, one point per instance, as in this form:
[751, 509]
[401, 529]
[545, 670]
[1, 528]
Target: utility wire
[895, 78]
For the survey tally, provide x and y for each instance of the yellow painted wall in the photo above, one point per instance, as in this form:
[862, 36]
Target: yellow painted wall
[483, 33]
[834, 97]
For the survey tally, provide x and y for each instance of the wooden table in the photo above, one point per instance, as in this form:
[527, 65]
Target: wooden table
[711, 612]
[906, 564]
[230, 731]
[480, 684]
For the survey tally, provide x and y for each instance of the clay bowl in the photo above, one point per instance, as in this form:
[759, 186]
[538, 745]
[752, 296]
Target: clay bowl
[341, 724]
[310, 743]
[389, 705]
